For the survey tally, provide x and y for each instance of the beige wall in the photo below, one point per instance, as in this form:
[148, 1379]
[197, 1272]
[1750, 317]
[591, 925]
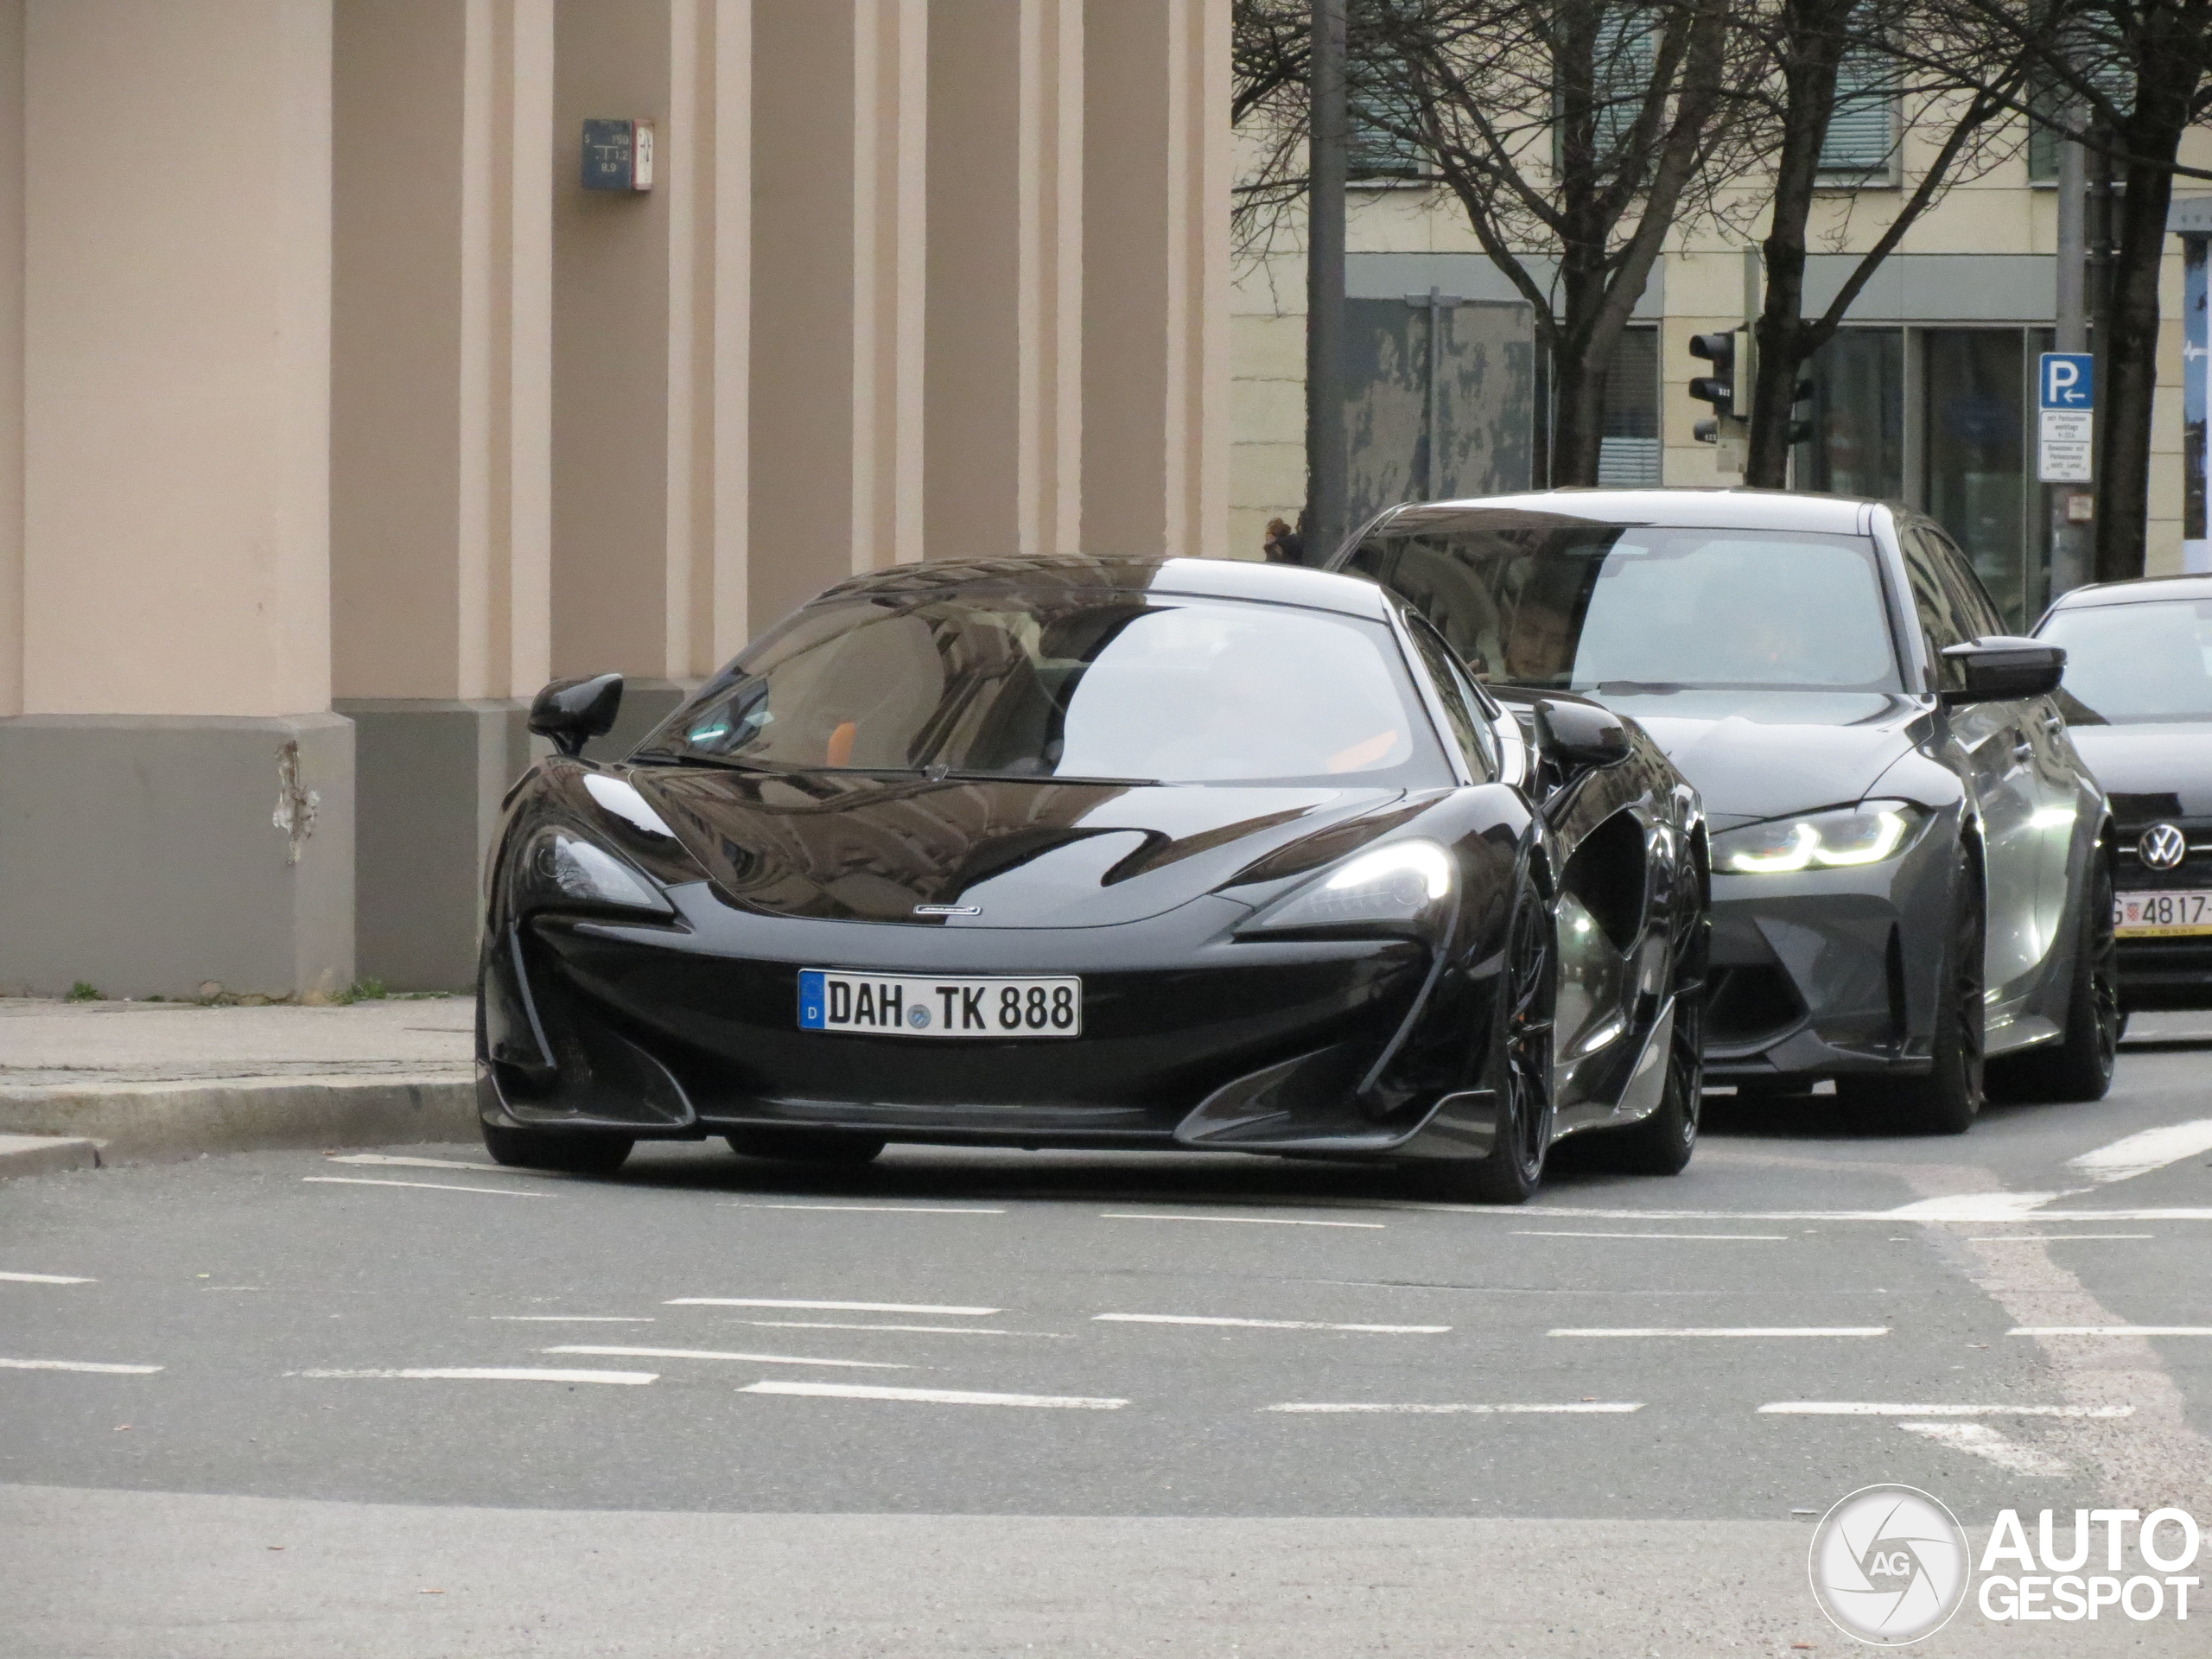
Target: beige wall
[176, 357]
[11, 357]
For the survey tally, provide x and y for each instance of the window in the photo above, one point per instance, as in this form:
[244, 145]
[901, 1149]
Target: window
[1462, 707]
[1623, 61]
[1381, 113]
[1935, 601]
[2115, 79]
[1862, 129]
[2128, 663]
[1858, 416]
[1628, 449]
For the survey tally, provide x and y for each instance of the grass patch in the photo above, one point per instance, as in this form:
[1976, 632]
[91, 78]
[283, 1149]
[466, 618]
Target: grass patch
[83, 991]
[361, 990]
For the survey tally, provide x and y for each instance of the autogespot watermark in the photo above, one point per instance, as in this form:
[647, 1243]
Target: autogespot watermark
[1891, 1565]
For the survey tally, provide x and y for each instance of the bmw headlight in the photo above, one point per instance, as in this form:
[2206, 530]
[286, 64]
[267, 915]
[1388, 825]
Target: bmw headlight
[562, 869]
[1866, 834]
[1393, 886]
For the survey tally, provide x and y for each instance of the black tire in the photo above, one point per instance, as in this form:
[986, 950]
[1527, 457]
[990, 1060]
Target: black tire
[574, 1153]
[805, 1145]
[1662, 1143]
[1948, 1098]
[2080, 1065]
[1521, 1036]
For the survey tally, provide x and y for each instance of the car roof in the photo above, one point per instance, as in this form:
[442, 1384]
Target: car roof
[1279, 584]
[2141, 591]
[1688, 508]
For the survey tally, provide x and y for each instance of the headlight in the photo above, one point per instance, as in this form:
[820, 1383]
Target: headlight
[561, 868]
[1397, 883]
[1866, 834]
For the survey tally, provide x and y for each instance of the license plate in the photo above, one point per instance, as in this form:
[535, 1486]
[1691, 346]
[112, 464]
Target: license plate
[913, 1005]
[2161, 915]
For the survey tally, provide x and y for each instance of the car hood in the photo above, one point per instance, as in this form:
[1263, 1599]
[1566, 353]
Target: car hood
[2151, 769]
[1761, 754]
[850, 847]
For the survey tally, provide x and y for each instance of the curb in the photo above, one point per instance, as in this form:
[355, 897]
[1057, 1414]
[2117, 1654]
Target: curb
[45, 1155]
[157, 1122]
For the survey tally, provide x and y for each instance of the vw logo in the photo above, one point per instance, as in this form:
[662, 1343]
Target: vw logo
[2163, 847]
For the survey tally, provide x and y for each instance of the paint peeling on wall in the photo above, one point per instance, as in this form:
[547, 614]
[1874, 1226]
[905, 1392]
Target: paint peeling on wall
[296, 806]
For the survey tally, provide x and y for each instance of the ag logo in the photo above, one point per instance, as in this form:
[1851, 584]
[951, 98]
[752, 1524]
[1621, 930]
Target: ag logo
[2163, 847]
[1889, 1565]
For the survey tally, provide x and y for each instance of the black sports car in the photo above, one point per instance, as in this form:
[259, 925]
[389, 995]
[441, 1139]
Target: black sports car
[1911, 869]
[2138, 700]
[1078, 852]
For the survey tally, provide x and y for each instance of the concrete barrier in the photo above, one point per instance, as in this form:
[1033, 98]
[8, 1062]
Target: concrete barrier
[156, 1122]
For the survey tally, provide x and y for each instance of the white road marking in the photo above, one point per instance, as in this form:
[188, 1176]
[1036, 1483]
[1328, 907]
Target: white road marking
[1874, 1409]
[1984, 1442]
[44, 1279]
[1768, 1239]
[1241, 1221]
[393, 1161]
[709, 1353]
[1266, 1324]
[933, 1396]
[572, 1318]
[2110, 1331]
[1601, 1407]
[428, 1186]
[2139, 1154]
[917, 1330]
[1724, 1329]
[874, 1208]
[76, 1365]
[493, 1374]
[1972, 1208]
[831, 1308]
[2051, 1238]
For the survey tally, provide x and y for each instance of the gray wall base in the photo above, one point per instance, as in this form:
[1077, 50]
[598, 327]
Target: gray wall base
[432, 773]
[148, 854]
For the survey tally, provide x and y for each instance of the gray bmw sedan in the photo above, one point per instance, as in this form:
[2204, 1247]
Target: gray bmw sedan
[1911, 868]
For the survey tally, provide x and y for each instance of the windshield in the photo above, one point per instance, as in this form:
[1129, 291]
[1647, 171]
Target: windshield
[1095, 684]
[2139, 662]
[1564, 604]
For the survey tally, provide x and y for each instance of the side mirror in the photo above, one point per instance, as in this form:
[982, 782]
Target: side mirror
[2002, 666]
[1578, 737]
[572, 712]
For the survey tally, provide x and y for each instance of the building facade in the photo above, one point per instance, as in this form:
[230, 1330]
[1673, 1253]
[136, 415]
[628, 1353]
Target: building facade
[337, 414]
[1927, 395]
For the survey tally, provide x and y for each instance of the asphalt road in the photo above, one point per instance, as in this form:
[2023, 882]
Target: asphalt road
[982, 1402]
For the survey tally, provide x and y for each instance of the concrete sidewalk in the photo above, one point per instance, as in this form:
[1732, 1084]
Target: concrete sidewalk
[121, 1082]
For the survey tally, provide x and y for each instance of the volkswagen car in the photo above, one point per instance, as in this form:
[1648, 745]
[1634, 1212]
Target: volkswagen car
[1075, 852]
[2138, 701]
[1911, 869]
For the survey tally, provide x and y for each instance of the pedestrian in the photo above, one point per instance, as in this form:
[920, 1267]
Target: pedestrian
[1283, 546]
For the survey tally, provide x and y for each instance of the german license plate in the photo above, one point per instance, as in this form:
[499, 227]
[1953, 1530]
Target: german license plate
[2161, 915]
[913, 1005]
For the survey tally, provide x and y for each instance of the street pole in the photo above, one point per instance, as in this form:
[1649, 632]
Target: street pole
[1326, 462]
[2072, 547]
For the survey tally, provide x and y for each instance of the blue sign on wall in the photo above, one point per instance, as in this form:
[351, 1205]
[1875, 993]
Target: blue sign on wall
[2066, 380]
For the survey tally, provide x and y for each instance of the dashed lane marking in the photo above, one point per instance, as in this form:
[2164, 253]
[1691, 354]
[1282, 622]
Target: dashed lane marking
[1721, 1330]
[934, 1396]
[2051, 1238]
[2110, 1331]
[1881, 1409]
[1761, 1238]
[1595, 1407]
[943, 1310]
[427, 1186]
[44, 1278]
[1268, 1324]
[709, 1353]
[1983, 1441]
[572, 1318]
[873, 1209]
[77, 1366]
[2139, 1154]
[1241, 1221]
[492, 1374]
[916, 1330]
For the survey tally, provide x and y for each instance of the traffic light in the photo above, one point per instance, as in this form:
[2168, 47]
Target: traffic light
[1727, 388]
[1803, 425]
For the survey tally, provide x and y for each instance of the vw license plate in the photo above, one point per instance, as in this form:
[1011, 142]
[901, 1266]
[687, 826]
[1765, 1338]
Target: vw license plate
[2165, 914]
[916, 1007]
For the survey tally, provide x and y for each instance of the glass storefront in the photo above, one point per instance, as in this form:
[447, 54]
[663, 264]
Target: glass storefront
[1940, 418]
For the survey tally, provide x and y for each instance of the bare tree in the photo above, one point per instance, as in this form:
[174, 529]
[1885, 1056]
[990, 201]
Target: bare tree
[1574, 135]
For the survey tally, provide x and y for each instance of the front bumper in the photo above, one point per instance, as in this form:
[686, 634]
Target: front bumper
[1190, 1038]
[1821, 973]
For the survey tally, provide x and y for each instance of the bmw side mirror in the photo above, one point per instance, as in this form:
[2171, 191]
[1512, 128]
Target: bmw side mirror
[572, 712]
[2002, 666]
[1578, 737]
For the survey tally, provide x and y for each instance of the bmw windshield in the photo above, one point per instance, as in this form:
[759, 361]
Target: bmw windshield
[1565, 604]
[1060, 682]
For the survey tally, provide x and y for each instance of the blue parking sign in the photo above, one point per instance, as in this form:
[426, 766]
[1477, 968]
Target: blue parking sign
[2066, 380]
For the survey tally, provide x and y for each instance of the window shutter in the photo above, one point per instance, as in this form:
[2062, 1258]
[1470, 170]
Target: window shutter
[1861, 132]
[1626, 58]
